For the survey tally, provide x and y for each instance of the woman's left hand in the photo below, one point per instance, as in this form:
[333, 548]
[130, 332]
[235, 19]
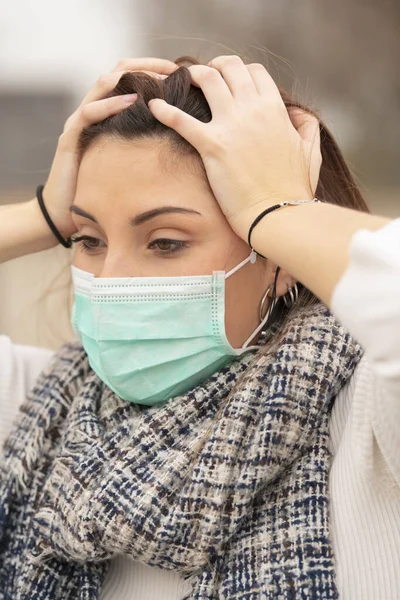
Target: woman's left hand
[253, 155]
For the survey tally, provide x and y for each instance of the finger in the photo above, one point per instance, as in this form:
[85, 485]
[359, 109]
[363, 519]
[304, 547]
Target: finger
[188, 127]
[107, 82]
[262, 80]
[214, 88]
[94, 112]
[236, 76]
[152, 74]
[103, 86]
[157, 65]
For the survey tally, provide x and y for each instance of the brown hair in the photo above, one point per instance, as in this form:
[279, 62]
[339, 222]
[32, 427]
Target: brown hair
[136, 122]
[336, 183]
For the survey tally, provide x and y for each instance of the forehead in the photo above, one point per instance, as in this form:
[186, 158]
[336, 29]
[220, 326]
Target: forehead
[144, 172]
[138, 158]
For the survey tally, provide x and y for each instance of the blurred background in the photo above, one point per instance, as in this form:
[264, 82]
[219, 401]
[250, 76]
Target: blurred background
[341, 58]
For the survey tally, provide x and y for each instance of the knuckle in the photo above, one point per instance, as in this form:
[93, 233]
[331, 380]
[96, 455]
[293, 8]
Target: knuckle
[199, 69]
[63, 141]
[256, 67]
[153, 64]
[203, 73]
[176, 119]
[85, 113]
[103, 81]
[122, 64]
[209, 74]
[228, 58]
[234, 59]
[70, 121]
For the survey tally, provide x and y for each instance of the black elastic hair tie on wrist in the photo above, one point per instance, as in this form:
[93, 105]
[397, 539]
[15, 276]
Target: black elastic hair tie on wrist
[256, 221]
[39, 196]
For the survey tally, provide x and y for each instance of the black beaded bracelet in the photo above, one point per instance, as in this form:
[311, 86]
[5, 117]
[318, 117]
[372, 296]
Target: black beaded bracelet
[269, 210]
[39, 196]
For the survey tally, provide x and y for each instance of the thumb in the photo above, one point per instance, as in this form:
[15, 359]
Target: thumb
[188, 127]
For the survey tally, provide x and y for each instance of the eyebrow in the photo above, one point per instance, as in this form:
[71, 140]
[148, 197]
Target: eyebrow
[163, 210]
[142, 217]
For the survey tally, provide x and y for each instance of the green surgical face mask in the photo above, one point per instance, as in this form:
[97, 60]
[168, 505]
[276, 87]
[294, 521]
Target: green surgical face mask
[153, 338]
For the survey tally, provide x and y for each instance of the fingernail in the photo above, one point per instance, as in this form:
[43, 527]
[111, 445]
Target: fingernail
[129, 98]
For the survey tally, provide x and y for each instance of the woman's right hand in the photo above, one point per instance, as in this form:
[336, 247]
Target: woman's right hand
[59, 191]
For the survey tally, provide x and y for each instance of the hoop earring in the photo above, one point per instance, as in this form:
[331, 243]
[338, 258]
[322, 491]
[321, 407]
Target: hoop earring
[294, 296]
[262, 304]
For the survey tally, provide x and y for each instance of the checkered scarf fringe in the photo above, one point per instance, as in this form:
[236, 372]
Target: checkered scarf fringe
[86, 476]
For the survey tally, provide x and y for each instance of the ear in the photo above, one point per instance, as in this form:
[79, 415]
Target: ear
[307, 126]
[284, 283]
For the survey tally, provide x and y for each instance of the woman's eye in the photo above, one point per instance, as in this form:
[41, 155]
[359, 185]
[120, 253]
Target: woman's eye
[166, 246]
[87, 243]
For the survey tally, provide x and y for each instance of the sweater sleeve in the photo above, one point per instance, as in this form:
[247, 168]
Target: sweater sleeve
[19, 367]
[367, 302]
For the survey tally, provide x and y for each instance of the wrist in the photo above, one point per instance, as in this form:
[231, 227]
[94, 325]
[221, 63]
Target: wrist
[60, 223]
[248, 219]
[41, 234]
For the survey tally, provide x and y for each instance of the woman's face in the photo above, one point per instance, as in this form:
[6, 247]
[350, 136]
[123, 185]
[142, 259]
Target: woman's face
[151, 213]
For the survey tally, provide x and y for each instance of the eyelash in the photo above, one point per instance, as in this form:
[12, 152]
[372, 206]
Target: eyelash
[84, 242]
[178, 246]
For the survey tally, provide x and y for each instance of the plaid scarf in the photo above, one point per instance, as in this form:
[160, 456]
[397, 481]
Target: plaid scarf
[86, 476]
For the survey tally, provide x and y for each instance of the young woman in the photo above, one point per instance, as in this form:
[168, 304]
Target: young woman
[216, 432]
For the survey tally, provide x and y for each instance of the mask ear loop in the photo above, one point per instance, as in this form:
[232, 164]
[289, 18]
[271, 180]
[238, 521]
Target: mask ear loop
[251, 259]
[269, 312]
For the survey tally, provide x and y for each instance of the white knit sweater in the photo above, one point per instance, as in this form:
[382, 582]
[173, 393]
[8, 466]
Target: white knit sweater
[364, 482]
